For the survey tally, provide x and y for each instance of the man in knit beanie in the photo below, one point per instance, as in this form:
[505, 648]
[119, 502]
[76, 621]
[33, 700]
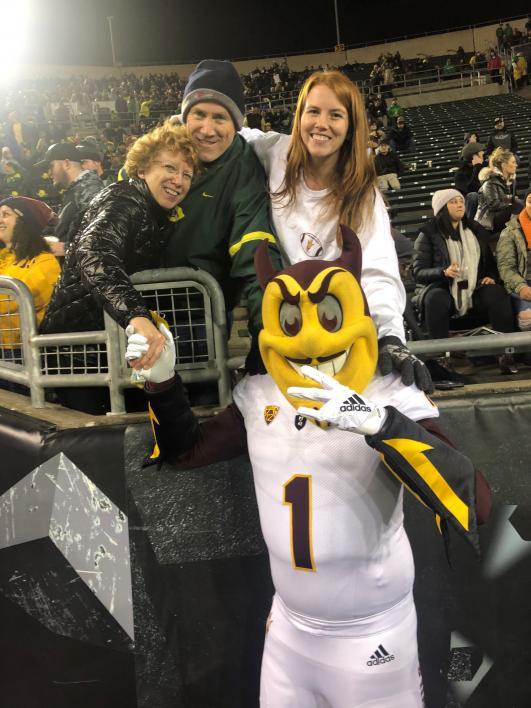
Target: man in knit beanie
[225, 215]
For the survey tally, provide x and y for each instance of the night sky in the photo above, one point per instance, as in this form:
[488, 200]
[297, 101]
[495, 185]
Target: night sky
[169, 31]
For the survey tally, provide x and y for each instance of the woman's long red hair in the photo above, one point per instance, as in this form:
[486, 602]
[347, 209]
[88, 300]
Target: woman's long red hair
[352, 193]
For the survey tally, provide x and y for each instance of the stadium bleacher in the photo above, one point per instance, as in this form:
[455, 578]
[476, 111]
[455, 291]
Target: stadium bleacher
[439, 131]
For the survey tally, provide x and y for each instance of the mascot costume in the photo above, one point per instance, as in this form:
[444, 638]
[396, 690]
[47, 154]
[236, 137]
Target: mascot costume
[332, 444]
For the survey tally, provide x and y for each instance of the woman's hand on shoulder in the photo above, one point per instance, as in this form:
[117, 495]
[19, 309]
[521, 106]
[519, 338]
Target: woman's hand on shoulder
[525, 292]
[489, 281]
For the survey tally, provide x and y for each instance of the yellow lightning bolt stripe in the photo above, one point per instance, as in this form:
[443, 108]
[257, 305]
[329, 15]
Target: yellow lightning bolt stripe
[253, 236]
[153, 419]
[412, 451]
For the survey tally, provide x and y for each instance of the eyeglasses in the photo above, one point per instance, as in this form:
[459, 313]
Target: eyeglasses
[174, 171]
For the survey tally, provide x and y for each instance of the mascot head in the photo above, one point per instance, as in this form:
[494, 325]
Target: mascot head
[315, 312]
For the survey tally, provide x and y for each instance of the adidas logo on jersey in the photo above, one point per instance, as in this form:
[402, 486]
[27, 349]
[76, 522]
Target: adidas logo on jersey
[354, 403]
[380, 656]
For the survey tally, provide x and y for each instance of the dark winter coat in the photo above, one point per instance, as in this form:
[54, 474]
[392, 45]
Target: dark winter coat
[431, 257]
[123, 231]
[76, 199]
[388, 164]
[495, 202]
[501, 137]
[466, 178]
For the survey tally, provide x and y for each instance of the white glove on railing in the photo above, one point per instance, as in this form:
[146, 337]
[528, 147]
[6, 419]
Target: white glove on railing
[342, 407]
[164, 368]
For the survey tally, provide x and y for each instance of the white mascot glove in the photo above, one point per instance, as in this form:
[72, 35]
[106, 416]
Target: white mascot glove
[342, 407]
[164, 368]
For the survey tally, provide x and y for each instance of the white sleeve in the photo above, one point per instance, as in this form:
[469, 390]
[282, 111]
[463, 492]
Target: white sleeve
[263, 144]
[380, 276]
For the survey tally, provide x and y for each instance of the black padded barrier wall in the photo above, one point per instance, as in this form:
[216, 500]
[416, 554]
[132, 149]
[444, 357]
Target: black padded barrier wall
[174, 614]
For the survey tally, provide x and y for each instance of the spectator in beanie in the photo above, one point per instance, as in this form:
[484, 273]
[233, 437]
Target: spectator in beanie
[455, 275]
[26, 256]
[226, 213]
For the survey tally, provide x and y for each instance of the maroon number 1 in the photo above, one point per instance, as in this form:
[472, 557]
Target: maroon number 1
[298, 494]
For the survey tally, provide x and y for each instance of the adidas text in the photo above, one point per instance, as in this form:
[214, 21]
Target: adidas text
[363, 409]
[383, 660]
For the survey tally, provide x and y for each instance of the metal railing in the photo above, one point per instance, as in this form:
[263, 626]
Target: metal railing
[190, 300]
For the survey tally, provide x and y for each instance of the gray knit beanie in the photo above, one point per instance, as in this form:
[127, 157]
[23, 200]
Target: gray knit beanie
[441, 198]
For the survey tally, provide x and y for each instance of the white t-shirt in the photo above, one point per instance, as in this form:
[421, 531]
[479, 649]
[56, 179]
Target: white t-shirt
[303, 233]
[330, 512]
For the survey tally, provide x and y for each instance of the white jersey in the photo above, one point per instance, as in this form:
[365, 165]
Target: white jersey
[330, 512]
[303, 233]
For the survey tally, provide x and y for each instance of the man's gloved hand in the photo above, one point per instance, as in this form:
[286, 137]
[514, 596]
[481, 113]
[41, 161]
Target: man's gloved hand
[393, 355]
[137, 345]
[343, 408]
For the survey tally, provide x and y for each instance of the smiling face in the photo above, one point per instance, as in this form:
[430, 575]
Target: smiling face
[324, 124]
[168, 178]
[8, 219]
[323, 325]
[211, 128]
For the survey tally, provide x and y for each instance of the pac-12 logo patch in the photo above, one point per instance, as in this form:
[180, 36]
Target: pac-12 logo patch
[270, 413]
[300, 421]
[311, 245]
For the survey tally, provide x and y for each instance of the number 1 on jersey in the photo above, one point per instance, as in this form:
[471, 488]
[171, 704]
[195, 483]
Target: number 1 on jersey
[298, 494]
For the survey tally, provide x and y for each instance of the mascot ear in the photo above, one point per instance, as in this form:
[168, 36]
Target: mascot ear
[262, 265]
[350, 257]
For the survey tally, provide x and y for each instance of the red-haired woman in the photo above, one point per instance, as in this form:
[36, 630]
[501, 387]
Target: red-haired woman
[323, 176]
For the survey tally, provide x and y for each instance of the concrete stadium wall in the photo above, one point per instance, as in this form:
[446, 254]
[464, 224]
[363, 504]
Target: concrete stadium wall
[473, 38]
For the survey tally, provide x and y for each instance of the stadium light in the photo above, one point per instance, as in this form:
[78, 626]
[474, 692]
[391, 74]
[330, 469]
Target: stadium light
[14, 20]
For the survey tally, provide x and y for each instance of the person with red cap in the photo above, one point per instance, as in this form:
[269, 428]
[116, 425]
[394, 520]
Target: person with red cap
[26, 256]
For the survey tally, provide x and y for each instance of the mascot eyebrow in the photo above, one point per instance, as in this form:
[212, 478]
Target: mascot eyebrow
[314, 297]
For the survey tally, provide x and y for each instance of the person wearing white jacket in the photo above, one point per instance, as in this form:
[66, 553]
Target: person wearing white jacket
[323, 176]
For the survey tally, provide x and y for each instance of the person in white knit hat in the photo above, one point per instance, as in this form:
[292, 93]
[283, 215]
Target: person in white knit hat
[455, 276]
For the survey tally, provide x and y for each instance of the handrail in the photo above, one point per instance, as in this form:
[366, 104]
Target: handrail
[29, 371]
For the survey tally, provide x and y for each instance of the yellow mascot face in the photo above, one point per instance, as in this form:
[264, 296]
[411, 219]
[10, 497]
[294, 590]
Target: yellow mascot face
[315, 313]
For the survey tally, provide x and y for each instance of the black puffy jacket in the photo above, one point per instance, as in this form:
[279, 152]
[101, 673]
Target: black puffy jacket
[123, 231]
[431, 257]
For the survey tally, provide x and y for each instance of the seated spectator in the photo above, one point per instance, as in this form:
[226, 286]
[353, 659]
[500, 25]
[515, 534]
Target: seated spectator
[377, 110]
[25, 255]
[388, 167]
[401, 137]
[123, 231]
[456, 276]
[466, 177]
[514, 263]
[496, 198]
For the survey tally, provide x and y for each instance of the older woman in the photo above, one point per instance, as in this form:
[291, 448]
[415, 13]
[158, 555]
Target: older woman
[514, 263]
[25, 256]
[455, 274]
[123, 231]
